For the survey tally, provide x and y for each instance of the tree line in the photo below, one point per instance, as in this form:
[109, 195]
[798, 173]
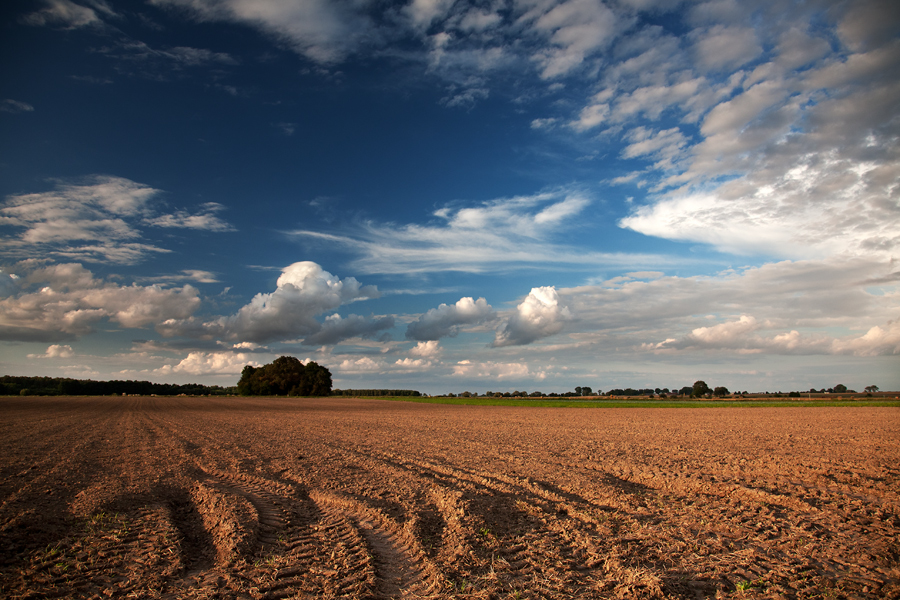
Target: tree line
[700, 389]
[12, 385]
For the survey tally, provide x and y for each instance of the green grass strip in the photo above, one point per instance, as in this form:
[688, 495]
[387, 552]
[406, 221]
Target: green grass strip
[619, 403]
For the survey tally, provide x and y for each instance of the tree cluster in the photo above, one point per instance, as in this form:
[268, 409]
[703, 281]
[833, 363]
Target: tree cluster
[285, 376]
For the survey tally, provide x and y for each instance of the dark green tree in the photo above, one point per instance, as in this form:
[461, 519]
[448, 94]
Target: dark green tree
[721, 391]
[285, 376]
[700, 389]
[840, 388]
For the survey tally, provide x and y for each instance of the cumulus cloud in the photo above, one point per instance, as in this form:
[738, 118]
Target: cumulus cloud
[540, 315]
[211, 363]
[364, 365]
[97, 220]
[303, 291]
[55, 351]
[429, 349]
[71, 302]
[412, 364]
[446, 320]
[246, 346]
[878, 341]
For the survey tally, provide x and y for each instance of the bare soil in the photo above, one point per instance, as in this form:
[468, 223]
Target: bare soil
[283, 498]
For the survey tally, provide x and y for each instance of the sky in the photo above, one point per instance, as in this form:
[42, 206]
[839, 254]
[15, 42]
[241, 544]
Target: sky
[453, 196]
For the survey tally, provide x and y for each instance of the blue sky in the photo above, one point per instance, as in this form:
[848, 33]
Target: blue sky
[450, 196]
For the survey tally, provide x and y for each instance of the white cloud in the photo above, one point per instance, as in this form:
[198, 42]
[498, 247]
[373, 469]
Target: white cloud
[14, 106]
[547, 123]
[478, 20]
[797, 48]
[212, 363]
[206, 219]
[665, 146]
[576, 29]
[413, 364]
[71, 302]
[97, 220]
[197, 275]
[809, 157]
[303, 291]
[189, 56]
[246, 346]
[724, 332]
[422, 13]
[591, 116]
[877, 341]
[826, 206]
[496, 370]
[733, 115]
[446, 320]
[465, 98]
[364, 365]
[56, 351]
[67, 14]
[498, 234]
[803, 307]
[726, 46]
[540, 315]
[429, 349]
[323, 31]
[741, 336]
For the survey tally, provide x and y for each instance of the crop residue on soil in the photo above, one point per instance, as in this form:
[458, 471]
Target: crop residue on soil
[285, 498]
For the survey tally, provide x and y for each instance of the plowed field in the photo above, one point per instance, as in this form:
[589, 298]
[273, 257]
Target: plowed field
[284, 498]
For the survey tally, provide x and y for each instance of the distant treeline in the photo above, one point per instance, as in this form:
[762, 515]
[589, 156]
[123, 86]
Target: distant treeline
[359, 393]
[60, 386]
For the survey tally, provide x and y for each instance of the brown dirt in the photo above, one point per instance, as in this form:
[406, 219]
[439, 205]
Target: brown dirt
[283, 498]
